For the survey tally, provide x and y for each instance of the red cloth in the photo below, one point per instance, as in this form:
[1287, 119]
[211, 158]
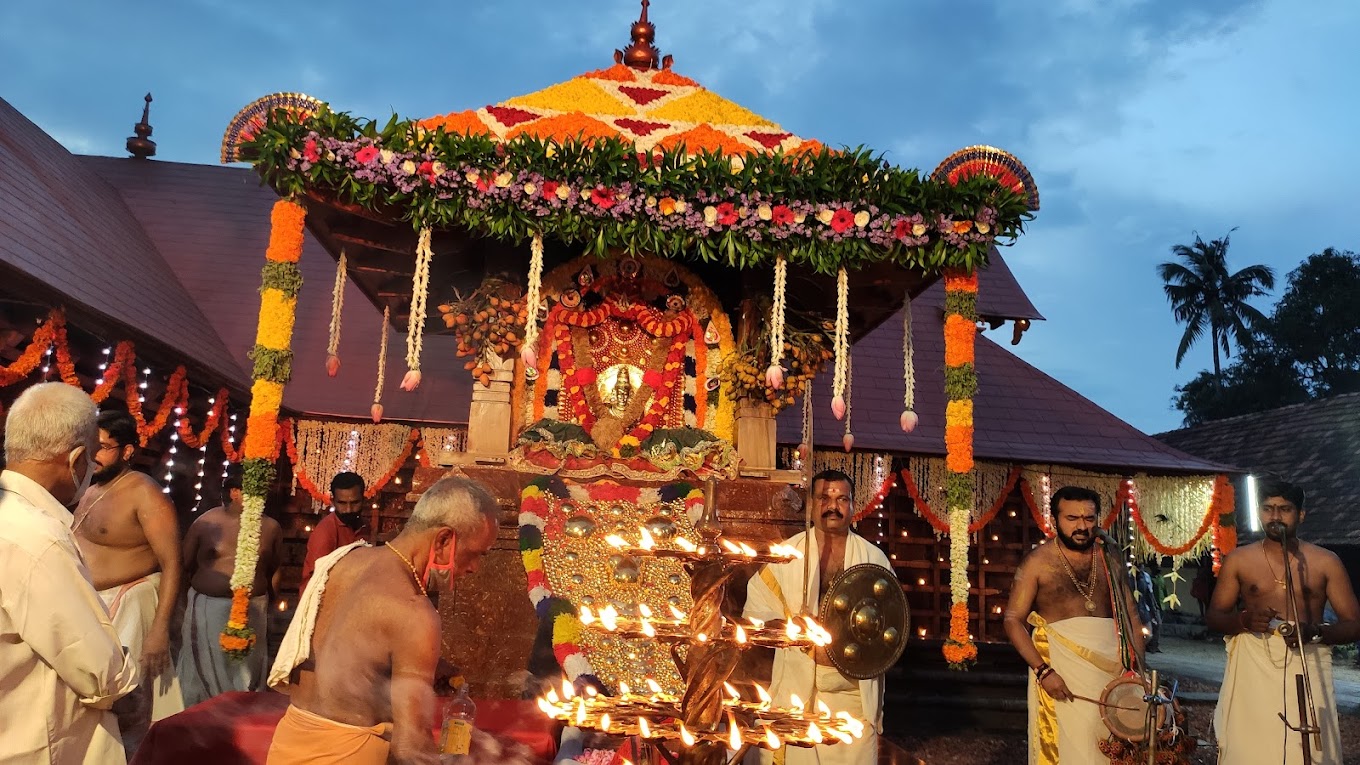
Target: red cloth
[237, 728]
[328, 536]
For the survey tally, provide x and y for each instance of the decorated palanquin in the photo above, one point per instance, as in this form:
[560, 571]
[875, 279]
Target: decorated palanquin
[639, 274]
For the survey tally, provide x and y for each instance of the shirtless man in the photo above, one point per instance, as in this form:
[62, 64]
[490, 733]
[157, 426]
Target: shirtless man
[129, 536]
[1259, 679]
[1063, 590]
[209, 559]
[776, 591]
[362, 687]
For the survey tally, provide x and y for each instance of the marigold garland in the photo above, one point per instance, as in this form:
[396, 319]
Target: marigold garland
[960, 329]
[1222, 491]
[304, 479]
[274, 332]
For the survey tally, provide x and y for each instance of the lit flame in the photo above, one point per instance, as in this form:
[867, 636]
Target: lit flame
[686, 736]
[814, 733]
[842, 736]
[653, 685]
[623, 688]
[823, 709]
[604, 722]
[787, 551]
[764, 695]
[648, 629]
[747, 550]
[580, 711]
[795, 702]
[645, 611]
[731, 691]
[552, 696]
[567, 690]
[587, 616]
[609, 618]
[733, 732]
[677, 613]
[546, 707]
[740, 634]
[772, 739]
[591, 692]
[647, 542]
[685, 544]
[701, 637]
[854, 724]
[644, 728]
[730, 546]
[757, 624]
[790, 629]
[614, 540]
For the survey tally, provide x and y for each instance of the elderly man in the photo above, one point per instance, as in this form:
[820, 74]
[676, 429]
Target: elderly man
[1064, 591]
[777, 592]
[359, 657]
[205, 670]
[62, 666]
[1258, 681]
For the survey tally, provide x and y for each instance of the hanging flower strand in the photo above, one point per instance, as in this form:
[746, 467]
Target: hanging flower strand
[909, 418]
[337, 306]
[415, 329]
[848, 440]
[960, 385]
[774, 374]
[532, 297]
[377, 409]
[841, 343]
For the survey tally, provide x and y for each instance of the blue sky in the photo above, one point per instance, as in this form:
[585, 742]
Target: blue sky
[1143, 121]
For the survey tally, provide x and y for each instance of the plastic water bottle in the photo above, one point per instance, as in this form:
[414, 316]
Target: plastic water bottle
[456, 735]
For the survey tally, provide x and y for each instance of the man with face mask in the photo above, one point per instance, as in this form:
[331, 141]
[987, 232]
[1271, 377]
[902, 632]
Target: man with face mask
[776, 592]
[62, 665]
[205, 670]
[1062, 589]
[1264, 630]
[359, 657]
[344, 526]
[129, 533]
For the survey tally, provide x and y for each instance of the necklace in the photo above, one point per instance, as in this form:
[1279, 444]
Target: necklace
[98, 499]
[1271, 566]
[1089, 591]
[407, 561]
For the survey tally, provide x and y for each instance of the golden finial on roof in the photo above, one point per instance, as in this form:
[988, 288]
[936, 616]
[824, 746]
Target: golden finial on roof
[641, 53]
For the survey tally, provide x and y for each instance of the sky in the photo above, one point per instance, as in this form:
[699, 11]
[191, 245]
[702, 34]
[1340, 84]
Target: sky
[1142, 121]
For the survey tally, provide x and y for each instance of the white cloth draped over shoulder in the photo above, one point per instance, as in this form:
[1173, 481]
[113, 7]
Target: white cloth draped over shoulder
[776, 592]
[297, 641]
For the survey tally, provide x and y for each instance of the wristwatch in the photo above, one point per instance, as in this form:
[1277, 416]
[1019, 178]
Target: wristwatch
[1317, 636]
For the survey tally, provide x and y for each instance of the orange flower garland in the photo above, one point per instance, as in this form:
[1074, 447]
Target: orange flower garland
[306, 483]
[1223, 493]
[960, 329]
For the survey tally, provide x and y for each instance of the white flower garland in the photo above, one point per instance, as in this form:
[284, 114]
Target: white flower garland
[248, 542]
[841, 343]
[533, 295]
[1173, 510]
[337, 307]
[774, 374]
[377, 408]
[415, 328]
[909, 419]
[848, 440]
[958, 553]
[327, 448]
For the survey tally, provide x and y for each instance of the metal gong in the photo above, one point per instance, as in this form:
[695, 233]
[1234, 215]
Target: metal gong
[867, 615]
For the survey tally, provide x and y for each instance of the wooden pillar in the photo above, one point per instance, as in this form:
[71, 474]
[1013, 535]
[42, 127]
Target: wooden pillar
[756, 435]
[489, 418]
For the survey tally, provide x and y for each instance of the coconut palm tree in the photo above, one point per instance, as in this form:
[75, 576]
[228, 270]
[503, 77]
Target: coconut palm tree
[1205, 297]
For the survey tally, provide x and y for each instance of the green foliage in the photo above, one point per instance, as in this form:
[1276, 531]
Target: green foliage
[960, 382]
[271, 364]
[284, 277]
[853, 177]
[257, 477]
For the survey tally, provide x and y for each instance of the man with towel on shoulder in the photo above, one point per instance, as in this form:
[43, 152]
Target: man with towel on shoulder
[359, 657]
[1062, 589]
[1258, 681]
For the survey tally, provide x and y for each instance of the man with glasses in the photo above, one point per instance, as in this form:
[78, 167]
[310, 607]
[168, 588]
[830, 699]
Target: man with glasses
[128, 531]
[1270, 596]
[345, 525]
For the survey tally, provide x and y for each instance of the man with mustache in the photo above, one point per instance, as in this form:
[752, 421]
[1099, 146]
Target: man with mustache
[1264, 630]
[128, 531]
[1063, 590]
[776, 593]
[342, 527]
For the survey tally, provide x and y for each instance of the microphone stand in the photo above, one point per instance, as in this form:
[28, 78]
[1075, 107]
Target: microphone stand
[1308, 726]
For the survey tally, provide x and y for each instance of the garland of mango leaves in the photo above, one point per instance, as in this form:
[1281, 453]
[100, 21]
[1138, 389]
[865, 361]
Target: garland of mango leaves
[824, 210]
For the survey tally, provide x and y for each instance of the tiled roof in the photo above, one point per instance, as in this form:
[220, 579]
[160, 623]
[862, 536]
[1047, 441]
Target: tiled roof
[1020, 414]
[212, 223]
[63, 226]
[1315, 445]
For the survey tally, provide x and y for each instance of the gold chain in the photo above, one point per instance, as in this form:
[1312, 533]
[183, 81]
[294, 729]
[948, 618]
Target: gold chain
[1089, 591]
[1271, 566]
[409, 565]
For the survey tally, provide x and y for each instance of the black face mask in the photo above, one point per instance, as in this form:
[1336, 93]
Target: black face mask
[352, 520]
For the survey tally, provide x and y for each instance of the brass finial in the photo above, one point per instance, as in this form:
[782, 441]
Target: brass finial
[141, 146]
[641, 53]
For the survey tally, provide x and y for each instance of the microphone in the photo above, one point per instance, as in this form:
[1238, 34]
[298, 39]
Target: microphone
[1104, 536]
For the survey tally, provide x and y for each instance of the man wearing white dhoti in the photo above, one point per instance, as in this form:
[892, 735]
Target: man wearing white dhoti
[1063, 590]
[777, 592]
[62, 666]
[1259, 679]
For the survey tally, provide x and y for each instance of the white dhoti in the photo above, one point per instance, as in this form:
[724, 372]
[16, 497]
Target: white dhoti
[1258, 684]
[132, 609]
[1084, 651]
[205, 670]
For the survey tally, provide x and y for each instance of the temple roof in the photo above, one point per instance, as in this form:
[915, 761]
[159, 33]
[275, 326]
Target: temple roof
[653, 109]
